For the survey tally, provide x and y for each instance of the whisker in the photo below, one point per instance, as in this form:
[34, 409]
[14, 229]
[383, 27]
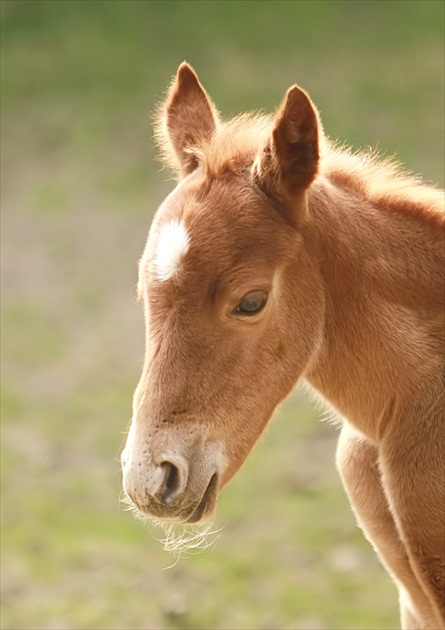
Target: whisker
[187, 539]
[178, 539]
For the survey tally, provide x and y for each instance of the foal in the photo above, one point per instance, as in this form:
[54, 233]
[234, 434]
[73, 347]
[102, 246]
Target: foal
[279, 257]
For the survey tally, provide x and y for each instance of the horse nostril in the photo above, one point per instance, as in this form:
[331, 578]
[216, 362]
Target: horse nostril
[172, 482]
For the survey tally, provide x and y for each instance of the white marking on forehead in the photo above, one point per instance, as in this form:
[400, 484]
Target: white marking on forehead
[173, 243]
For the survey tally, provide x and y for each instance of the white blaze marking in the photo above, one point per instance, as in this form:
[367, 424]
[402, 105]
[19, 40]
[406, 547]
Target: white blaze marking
[173, 243]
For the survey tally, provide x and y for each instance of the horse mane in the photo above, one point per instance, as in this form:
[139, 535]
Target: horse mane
[383, 181]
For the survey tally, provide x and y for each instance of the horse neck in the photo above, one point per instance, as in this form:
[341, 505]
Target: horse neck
[380, 269]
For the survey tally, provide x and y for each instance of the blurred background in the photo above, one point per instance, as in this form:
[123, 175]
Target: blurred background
[79, 188]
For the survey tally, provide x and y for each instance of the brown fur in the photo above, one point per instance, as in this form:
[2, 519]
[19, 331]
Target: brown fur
[351, 253]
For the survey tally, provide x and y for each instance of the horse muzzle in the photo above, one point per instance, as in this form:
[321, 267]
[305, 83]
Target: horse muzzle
[172, 486]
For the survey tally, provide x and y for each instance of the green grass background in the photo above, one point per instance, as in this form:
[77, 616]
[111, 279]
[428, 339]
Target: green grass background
[79, 187]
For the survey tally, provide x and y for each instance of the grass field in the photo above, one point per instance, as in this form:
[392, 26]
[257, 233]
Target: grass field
[79, 187]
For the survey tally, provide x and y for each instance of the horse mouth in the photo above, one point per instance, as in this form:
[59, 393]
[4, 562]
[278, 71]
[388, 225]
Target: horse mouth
[207, 503]
[187, 514]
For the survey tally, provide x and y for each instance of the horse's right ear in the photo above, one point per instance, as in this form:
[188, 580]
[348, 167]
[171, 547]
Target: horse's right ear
[186, 119]
[288, 163]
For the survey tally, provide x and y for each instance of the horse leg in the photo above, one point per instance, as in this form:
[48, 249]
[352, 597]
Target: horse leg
[357, 462]
[412, 460]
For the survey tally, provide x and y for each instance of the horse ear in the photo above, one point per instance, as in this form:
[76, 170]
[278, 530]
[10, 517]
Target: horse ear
[289, 161]
[188, 118]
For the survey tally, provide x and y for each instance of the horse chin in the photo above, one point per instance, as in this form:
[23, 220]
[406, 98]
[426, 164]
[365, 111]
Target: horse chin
[191, 529]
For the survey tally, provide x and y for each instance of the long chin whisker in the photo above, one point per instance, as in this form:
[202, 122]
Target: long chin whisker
[179, 539]
[186, 539]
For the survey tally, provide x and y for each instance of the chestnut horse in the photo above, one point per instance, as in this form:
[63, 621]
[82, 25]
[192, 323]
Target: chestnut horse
[280, 257]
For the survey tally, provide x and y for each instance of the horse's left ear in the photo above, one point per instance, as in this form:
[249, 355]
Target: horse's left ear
[289, 162]
[186, 120]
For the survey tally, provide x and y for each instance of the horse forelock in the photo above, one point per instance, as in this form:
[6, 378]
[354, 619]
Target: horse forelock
[235, 142]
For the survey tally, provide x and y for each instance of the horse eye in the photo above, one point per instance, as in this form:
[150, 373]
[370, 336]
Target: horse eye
[251, 304]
